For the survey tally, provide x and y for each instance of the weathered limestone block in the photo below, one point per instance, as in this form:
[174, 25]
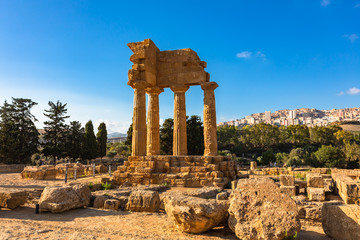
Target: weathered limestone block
[39, 173]
[195, 215]
[340, 221]
[99, 201]
[329, 185]
[222, 196]
[205, 192]
[314, 181]
[288, 190]
[101, 168]
[347, 188]
[316, 194]
[12, 198]
[258, 210]
[112, 204]
[143, 201]
[308, 210]
[287, 180]
[60, 199]
[61, 169]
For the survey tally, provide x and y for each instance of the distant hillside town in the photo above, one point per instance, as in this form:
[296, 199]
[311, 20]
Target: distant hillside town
[303, 116]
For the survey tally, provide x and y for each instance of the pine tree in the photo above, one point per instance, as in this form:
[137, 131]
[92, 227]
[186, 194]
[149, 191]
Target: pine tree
[101, 139]
[90, 146]
[19, 138]
[75, 139]
[55, 131]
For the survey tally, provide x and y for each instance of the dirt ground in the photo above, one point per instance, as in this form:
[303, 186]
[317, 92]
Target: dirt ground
[91, 223]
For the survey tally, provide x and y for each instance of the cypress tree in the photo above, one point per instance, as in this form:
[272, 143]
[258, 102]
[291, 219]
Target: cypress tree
[90, 146]
[75, 138]
[101, 139]
[195, 135]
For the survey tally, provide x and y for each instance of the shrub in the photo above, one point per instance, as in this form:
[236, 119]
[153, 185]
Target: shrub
[106, 186]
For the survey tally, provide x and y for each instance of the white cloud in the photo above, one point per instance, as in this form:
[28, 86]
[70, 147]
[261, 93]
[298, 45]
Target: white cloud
[352, 37]
[247, 54]
[353, 91]
[324, 3]
[340, 93]
[357, 5]
[244, 54]
[260, 54]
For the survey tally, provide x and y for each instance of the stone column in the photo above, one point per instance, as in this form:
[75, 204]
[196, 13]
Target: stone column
[179, 137]
[153, 121]
[139, 119]
[210, 137]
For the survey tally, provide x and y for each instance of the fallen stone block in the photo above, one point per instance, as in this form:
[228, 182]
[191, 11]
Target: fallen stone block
[99, 201]
[205, 192]
[288, 190]
[341, 221]
[112, 204]
[11, 198]
[222, 196]
[316, 194]
[258, 210]
[143, 201]
[195, 215]
[287, 180]
[314, 180]
[59, 199]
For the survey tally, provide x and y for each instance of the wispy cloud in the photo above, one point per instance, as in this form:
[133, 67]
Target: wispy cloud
[244, 54]
[324, 3]
[352, 37]
[353, 91]
[340, 93]
[247, 54]
[357, 5]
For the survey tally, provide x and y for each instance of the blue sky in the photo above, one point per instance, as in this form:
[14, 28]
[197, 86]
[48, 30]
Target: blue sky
[265, 55]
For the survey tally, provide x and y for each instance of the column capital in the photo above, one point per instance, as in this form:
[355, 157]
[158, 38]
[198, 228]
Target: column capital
[139, 84]
[179, 88]
[154, 90]
[209, 86]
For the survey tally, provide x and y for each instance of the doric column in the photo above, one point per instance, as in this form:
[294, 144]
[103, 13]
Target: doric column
[139, 119]
[179, 137]
[210, 138]
[153, 121]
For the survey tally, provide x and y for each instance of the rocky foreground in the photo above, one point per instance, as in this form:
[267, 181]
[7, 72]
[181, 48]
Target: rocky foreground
[156, 212]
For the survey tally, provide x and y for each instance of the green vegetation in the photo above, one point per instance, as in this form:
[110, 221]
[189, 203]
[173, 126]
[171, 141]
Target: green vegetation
[106, 186]
[18, 134]
[55, 131]
[101, 139]
[90, 145]
[91, 185]
[293, 237]
[295, 145]
[195, 136]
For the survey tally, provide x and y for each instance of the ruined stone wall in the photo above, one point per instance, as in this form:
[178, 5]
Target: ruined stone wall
[12, 168]
[187, 171]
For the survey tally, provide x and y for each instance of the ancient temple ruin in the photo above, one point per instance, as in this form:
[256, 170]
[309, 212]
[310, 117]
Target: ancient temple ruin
[152, 71]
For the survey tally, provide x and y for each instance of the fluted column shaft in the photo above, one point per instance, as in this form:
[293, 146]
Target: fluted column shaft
[179, 136]
[210, 135]
[153, 121]
[139, 120]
